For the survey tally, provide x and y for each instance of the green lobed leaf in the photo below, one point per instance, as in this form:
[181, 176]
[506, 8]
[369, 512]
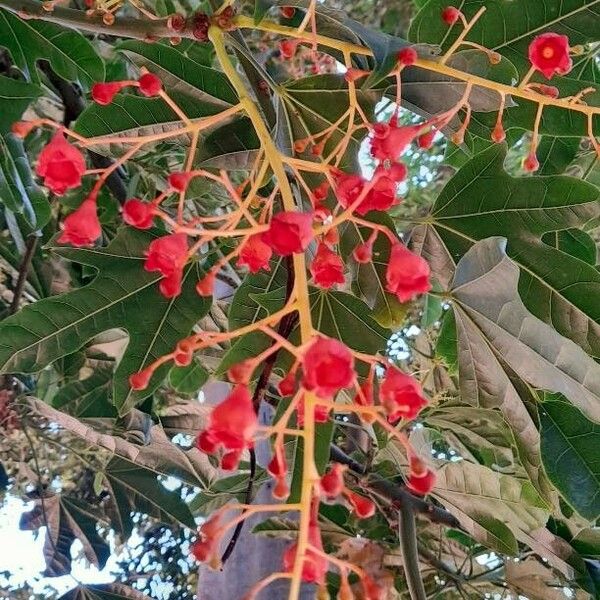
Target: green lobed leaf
[570, 445]
[89, 397]
[482, 200]
[486, 299]
[104, 591]
[492, 507]
[188, 380]
[555, 154]
[135, 488]
[70, 54]
[66, 519]
[18, 190]
[15, 97]
[123, 295]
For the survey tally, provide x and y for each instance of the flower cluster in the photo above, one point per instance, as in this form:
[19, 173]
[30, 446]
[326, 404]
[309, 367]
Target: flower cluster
[304, 227]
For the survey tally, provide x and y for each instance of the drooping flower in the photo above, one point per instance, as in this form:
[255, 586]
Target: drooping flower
[362, 506]
[289, 232]
[407, 274]
[314, 566]
[549, 54]
[328, 367]
[390, 140]
[60, 164]
[531, 162]
[206, 286]
[206, 547]
[242, 371]
[82, 227]
[287, 385]
[231, 426]
[168, 255]
[138, 214]
[288, 48]
[141, 379]
[150, 84]
[104, 93]
[255, 254]
[421, 484]
[401, 395]
[327, 267]
[381, 196]
[278, 469]
[332, 483]
[180, 180]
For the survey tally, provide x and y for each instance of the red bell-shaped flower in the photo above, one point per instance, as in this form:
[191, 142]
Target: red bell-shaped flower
[60, 164]
[407, 274]
[289, 233]
[549, 54]
[327, 267]
[82, 227]
[138, 214]
[255, 254]
[328, 367]
[401, 395]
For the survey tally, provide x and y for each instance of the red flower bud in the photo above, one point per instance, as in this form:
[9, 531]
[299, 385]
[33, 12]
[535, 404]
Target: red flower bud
[332, 483]
[531, 163]
[425, 141]
[138, 214]
[180, 180]
[141, 379]
[287, 385]
[150, 84]
[231, 460]
[288, 12]
[450, 15]
[104, 93]
[407, 56]
[498, 134]
[288, 48]
[241, 372]
[206, 286]
[421, 484]
[22, 128]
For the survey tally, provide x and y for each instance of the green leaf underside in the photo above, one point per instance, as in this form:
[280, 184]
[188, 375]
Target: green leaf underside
[15, 97]
[482, 200]
[570, 445]
[122, 296]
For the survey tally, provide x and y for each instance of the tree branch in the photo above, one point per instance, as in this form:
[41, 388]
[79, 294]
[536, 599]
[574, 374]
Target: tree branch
[30, 246]
[398, 495]
[407, 533]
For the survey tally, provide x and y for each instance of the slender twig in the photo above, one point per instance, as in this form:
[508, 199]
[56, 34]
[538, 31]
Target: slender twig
[407, 532]
[285, 328]
[30, 246]
[398, 495]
